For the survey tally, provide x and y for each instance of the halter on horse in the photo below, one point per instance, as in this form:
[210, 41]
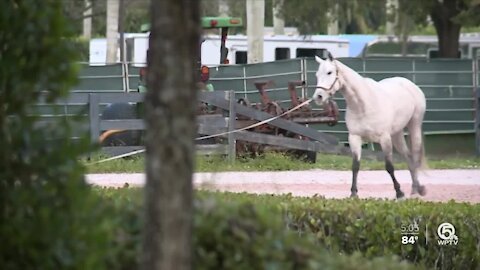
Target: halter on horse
[377, 112]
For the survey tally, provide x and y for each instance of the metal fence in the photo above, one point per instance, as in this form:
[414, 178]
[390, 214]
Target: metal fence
[113, 78]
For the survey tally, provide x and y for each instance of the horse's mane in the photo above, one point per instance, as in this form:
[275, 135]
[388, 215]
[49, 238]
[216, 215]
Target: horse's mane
[354, 74]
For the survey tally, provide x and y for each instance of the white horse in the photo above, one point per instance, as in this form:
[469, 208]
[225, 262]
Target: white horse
[377, 112]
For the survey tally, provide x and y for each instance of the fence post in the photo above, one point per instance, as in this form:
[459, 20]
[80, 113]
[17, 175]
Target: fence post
[232, 115]
[94, 116]
[303, 77]
[477, 122]
[244, 81]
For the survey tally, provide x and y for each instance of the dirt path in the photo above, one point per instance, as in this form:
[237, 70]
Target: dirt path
[442, 185]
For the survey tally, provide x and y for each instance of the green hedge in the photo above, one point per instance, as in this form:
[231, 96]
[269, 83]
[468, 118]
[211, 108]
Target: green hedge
[244, 231]
[373, 227]
[233, 232]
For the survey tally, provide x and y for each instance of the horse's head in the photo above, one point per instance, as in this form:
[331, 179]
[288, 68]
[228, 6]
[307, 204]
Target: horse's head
[327, 80]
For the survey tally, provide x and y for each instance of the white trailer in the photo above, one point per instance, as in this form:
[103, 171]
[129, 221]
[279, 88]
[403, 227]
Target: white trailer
[275, 48]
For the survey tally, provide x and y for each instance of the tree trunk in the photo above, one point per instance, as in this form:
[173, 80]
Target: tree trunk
[223, 8]
[87, 20]
[112, 30]
[448, 32]
[392, 17]
[278, 18]
[170, 119]
[255, 30]
[121, 30]
[332, 15]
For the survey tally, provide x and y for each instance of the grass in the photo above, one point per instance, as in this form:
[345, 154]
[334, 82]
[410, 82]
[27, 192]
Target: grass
[276, 162]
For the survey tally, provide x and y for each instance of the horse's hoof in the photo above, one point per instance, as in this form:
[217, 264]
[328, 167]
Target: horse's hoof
[421, 190]
[400, 195]
[354, 195]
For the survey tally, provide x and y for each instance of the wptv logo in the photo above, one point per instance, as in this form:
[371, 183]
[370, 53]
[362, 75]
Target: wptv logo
[446, 234]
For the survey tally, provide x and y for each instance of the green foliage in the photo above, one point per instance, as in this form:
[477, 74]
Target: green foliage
[82, 47]
[355, 17]
[239, 235]
[466, 11]
[242, 231]
[233, 232]
[373, 227]
[48, 217]
[136, 13]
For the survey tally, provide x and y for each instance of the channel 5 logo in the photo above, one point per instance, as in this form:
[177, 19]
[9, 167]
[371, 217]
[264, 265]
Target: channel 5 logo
[446, 233]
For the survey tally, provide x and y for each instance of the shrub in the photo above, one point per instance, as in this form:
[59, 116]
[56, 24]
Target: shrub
[246, 236]
[82, 46]
[233, 232]
[373, 227]
[48, 217]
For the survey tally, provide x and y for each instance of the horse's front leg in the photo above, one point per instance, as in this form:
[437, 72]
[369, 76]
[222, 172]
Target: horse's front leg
[355, 142]
[386, 144]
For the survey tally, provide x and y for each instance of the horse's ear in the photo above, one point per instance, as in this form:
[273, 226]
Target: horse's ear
[330, 57]
[318, 59]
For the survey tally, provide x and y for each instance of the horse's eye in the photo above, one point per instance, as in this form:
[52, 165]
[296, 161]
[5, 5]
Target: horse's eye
[328, 73]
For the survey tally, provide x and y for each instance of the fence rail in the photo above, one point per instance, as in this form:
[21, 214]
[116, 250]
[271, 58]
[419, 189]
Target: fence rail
[207, 124]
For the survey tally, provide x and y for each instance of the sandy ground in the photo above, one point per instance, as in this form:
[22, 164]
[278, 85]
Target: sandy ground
[442, 185]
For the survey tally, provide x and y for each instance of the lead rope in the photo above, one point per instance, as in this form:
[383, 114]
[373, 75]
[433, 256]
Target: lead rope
[211, 136]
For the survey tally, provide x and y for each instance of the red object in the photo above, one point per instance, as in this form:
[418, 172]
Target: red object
[143, 72]
[204, 73]
[213, 23]
[234, 21]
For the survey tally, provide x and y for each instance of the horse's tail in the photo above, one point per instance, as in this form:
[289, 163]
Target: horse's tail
[417, 146]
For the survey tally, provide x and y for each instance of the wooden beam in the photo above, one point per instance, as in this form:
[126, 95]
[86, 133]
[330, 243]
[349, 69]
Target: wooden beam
[275, 140]
[218, 99]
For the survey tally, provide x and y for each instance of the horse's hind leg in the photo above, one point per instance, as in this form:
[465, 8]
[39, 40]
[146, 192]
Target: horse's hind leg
[416, 142]
[386, 143]
[401, 146]
[355, 143]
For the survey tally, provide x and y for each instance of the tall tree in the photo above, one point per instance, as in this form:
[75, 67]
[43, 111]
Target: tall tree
[223, 8]
[278, 20]
[313, 16]
[170, 114]
[392, 17]
[112, 30]
[255, 30]
[361, 16]
[87, 20]
[448, 17]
